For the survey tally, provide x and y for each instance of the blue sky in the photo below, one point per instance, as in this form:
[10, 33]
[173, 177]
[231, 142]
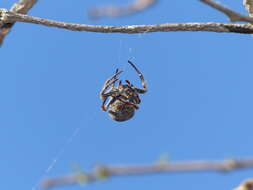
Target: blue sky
[199, 104]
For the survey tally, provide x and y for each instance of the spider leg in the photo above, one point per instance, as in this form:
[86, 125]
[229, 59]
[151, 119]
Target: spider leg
[143, 82]
[128, 82]
[117, 70]
[112, 79]
[108, 83]
[120, 84]
[103, 93]
[104, 106]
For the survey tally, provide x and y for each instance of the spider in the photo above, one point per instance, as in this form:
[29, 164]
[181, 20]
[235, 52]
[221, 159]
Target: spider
[124, 99]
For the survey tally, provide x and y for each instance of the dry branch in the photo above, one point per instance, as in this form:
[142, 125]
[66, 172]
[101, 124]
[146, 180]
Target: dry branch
[103, 172]
[9, 17]
[117, 11]
[22, 7]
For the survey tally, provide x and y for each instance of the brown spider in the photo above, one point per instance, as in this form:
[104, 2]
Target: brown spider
[124, 98]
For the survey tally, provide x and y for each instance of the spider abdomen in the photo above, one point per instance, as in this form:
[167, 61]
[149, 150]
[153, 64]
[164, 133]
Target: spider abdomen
[120, 111]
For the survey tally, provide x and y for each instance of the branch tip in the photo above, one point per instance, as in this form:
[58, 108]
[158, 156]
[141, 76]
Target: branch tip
[232, 15]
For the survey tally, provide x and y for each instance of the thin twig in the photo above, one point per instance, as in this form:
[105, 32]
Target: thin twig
[103, 172]
[233, 16]
[117, 11]
[9, 17]
[22, 7]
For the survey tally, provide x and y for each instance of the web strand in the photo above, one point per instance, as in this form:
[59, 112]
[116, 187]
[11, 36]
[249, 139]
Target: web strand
[60, 153]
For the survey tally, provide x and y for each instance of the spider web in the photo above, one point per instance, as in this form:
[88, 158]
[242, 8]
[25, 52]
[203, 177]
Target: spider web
[123, 47]
[60, 152]
[128, 51]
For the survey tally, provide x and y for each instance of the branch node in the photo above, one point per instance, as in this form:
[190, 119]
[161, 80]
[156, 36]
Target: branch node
[82, 178]
[230, 165]
[101, 172]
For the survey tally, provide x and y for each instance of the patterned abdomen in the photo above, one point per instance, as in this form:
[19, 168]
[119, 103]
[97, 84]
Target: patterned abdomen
[120, 111]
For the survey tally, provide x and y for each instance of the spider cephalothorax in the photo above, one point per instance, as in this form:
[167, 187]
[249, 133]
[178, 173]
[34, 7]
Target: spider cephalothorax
[124, 99]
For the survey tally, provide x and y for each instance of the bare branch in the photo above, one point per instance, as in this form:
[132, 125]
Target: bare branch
[117, 11]
[23, 6]
[103, 172]
[9, 17]
[233, 16]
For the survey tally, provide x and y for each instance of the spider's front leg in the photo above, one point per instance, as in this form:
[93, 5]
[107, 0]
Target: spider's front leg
[104, 94]
[143, 82]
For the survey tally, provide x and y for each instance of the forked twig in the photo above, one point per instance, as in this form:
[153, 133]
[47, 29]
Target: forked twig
[23, 6]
